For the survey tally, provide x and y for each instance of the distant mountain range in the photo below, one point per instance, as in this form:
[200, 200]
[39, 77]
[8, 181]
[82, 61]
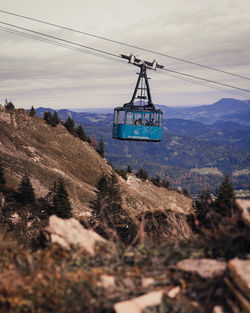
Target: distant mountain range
[225, 109]
[215, 138]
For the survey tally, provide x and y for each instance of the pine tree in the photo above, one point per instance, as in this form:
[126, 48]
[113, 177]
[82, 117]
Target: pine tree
[93, 142]
[61, 203]
[225, 201]
[26, 193]
[81, 133]
[32, 111]
[156, 181]
[107, 208]
[129, 169]
[2, 178]
[55, 120]
[142, 174]
[70, 125]
[9, 105]
[101, 149]
[47, 116]
[202, 205]
[100, 202]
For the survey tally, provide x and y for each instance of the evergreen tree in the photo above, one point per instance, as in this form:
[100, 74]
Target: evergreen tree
[129, 169]
[70, 125]
[107, 208]
[2, 178]
[52, 120]
[32, 111]
[101, 149]
[47, 116]
[156, 181]
[100, 202]
[165, 184]
[26, 193]
[61, 203]
[81, 133]
[142, 174]
[93, 142]
[55, 120]
[9, 105]
[202, 205]
[225, 198]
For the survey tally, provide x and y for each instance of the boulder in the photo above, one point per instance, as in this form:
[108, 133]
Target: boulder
[241, 299]
[68, 232]
[218, 309]
[147, 282]
[240, 273]
[172, 293]
[205, 268]
[244, 206]
[137, 305]
[108, 282]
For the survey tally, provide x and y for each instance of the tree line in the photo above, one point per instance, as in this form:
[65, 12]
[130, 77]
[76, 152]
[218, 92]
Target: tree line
[28, 209]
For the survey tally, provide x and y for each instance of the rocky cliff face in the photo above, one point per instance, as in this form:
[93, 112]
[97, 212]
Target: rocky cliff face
[28, 144]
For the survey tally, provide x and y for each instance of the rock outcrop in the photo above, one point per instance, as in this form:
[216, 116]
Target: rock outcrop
[238, 281]
[137, 305]
[67, 232]
[205, 268]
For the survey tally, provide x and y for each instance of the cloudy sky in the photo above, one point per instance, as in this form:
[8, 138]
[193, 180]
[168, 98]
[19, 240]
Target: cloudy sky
[214, 33]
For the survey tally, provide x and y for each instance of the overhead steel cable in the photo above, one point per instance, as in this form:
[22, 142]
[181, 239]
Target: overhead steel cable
[60, 39]
[116, 56]
[204, 84]
[125, 44]
[9, 30]
[12, 31]
[204, 79]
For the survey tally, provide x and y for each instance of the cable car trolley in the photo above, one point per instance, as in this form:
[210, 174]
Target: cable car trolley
[138, 119]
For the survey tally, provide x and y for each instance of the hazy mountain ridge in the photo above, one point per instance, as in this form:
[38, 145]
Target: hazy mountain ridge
[186, 145]
[211, 113]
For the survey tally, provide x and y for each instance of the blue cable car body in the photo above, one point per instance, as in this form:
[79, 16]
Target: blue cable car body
[139, 122]
[135, 124]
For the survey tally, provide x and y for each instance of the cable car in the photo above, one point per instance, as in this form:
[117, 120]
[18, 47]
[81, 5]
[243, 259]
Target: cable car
[139, 119]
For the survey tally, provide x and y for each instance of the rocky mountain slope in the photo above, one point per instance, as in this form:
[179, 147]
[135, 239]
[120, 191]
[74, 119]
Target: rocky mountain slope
[28, 144]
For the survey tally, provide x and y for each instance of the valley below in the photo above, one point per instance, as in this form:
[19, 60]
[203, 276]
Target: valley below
[199, 144]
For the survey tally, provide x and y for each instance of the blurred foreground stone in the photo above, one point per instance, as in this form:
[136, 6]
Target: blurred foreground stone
[239, 282]
[68, 232]
[244, 206]
[205, 268]
[137, 305]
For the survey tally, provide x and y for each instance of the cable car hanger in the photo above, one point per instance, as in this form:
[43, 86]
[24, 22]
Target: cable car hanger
[144, 65]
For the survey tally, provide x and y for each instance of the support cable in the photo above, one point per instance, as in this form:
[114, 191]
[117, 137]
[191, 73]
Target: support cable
[125, 44]
[9, 30]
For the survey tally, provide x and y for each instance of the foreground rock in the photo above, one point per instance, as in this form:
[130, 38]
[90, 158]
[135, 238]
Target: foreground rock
[137, 305]
[239, 281]
[68, 232]
[205, 268]
[244, 206]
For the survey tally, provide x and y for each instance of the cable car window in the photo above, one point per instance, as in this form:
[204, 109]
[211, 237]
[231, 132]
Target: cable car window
[121, 116]
[129, 118]
[154, 119]
[116, 114]
[146, 118]
[137, 119]
[160, 115]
